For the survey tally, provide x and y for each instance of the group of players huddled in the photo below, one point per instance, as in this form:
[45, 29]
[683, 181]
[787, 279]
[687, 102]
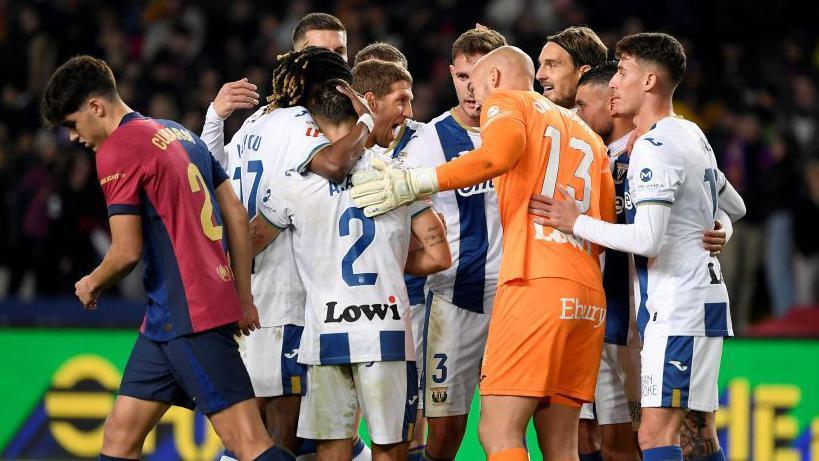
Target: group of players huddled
[555, 251]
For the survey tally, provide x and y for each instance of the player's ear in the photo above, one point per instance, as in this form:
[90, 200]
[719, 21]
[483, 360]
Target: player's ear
[371, 103]
[97, 107]
[452, 70]
[583, 69]
[494, 77]
[650, 81]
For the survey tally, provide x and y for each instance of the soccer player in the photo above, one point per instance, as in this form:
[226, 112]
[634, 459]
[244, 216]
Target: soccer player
[460, 298]
[540, 361]
[281, 137]
[676, 190]
[564, 58]
[356, 337]
[169, 201]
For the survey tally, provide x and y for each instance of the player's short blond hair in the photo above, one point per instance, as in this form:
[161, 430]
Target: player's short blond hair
[375, 76]
[477, 41]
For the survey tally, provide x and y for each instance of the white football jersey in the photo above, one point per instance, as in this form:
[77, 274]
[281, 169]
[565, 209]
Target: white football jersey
[472, 217]
[266, 147]
[680, 291]
[352, 267]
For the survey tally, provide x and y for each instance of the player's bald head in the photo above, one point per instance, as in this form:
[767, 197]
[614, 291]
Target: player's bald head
[505, 68]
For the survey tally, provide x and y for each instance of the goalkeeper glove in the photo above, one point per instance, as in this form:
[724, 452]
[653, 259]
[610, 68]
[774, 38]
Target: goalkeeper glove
[385, 188]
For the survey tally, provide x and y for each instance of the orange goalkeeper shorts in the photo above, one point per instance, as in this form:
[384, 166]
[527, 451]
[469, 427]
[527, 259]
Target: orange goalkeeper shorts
[545, 340]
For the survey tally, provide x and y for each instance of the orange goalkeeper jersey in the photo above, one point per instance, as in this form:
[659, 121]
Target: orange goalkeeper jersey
[539, 146]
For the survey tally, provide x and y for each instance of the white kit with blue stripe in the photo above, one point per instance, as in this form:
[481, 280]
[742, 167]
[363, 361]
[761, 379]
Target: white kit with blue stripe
[352, 267]
[472, 217]
[680, 292]
[266, 146]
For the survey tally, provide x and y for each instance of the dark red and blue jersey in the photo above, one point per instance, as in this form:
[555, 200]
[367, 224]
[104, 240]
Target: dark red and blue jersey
[159, 170]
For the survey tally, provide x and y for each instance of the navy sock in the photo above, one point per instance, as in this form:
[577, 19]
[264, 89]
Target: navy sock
[275, 453]
[417, 453]
[596, 456]
[114, 458]
[358, 447]
[306, 447]
[716, 456]
[669, 453]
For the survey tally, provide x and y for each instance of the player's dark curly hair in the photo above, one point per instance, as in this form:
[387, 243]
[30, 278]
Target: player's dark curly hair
[300, 73]
[72, 83]
[656, 47]
[599, 75]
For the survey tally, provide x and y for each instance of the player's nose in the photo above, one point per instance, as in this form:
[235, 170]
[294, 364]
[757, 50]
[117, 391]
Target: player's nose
[73, 136]
[407, 111]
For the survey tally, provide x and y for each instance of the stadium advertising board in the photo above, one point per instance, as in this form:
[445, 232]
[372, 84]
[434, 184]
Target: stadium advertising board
[60, 385]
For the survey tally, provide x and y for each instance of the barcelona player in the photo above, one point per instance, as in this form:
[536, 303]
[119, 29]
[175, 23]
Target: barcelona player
[169, 201]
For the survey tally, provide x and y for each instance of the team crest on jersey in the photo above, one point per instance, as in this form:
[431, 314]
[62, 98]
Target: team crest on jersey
[224, 272]
[646, 174]
[439, 395]
[493, 111]
[620, 171]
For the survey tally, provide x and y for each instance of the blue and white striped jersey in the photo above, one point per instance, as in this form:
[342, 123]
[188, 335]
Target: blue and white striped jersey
[471, 215]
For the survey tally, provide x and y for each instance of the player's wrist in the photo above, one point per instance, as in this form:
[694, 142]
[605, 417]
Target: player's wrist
[213, 115]
[423, 181]
[367, 120]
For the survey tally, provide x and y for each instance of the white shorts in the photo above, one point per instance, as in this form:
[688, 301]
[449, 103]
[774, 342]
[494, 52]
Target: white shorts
[617, 394]
[418, 313]
[680, 371]
[386, 392]
[454, 341]
[271, 358]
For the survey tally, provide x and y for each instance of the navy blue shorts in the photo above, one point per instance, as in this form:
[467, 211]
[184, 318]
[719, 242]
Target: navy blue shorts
[201, 370]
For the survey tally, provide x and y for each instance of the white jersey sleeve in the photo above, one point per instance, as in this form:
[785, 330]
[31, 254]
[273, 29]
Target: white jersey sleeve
[213, 135]
[654, 174]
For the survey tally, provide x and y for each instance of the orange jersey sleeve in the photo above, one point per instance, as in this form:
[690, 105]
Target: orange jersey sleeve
[502, 145]
[559, 149]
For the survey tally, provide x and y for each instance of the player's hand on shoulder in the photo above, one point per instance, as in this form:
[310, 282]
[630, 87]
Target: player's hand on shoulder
[87, 292]
[250, 318]
[714, 240]
[240, 94]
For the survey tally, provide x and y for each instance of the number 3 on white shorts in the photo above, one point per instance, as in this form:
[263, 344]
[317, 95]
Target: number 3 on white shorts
[582, 172]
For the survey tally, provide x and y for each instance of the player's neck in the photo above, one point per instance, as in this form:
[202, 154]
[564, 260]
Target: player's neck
[118, 110]
[622, 127]
[334, 130]
[461, 116]
[653, 110]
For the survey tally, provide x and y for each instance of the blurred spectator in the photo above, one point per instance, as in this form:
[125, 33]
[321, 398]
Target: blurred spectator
[806, 222]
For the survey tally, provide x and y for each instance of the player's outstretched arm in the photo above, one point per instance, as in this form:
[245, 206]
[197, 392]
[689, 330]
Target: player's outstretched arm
[433, 254]
[643, 238]
[731, 202]
[238, 232]
[124, 254]
[385, 188]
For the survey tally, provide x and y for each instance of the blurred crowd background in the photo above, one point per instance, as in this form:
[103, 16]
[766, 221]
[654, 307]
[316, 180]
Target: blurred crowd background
[751, 84]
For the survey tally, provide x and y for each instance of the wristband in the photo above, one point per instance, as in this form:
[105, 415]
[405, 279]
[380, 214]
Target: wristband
[367, 120]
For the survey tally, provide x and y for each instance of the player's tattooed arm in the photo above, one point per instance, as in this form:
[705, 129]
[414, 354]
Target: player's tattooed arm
[124, 254]
[433, 254]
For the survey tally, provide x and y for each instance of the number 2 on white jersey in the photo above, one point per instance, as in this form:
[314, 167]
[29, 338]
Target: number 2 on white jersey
[582, 172]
